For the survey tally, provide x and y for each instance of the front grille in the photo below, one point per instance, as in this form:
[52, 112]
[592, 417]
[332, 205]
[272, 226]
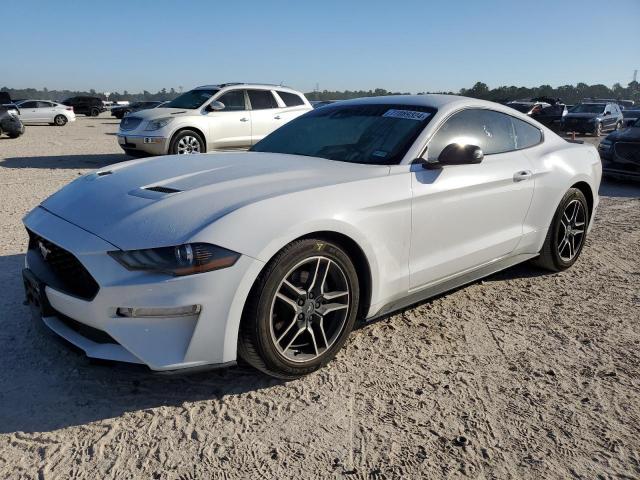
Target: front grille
[628, 151]
[130, 123]
[73, 277]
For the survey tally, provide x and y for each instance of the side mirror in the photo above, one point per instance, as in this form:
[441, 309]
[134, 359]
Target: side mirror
[215, 106]
[456, 154]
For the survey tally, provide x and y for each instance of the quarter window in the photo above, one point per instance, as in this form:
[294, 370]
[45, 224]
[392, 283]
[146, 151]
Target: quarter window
[525, 135]
[233, 101]
[262, 99]
[290, 99]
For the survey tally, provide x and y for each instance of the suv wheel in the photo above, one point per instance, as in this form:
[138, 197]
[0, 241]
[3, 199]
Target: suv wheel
[187, 142]
[94, 112]
[301, 309]
[566, 234]
[598, 130]
[619, 126]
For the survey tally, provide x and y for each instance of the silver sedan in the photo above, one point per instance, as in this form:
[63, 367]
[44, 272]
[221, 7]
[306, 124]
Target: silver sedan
[45, 111]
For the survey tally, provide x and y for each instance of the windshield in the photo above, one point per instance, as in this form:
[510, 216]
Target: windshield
[192, 99]
[588, 108]
[371, 134]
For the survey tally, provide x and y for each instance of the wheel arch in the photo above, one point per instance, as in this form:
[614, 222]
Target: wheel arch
[585, 188]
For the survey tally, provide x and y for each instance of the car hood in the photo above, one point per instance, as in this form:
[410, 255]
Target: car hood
[581, 115]
[152, 114]
[630, 134]
[164, 201]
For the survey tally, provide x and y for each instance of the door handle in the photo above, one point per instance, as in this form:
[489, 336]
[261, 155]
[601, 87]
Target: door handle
[244, 119]
[277, 117]
[522, 175]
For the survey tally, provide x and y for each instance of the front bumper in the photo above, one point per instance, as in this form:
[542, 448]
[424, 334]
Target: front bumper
[155, 145]
[621, 160]
[161, 343]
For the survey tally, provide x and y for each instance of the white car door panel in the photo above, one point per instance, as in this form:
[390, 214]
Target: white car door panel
[231, 127]
[466, 215]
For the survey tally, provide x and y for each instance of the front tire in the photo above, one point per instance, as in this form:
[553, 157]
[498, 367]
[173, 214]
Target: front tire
[598, 130]
[300, 310]
[187, 142]
[94, 112]
[567, 233]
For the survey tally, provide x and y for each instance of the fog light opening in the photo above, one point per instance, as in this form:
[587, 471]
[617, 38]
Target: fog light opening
[142, 312]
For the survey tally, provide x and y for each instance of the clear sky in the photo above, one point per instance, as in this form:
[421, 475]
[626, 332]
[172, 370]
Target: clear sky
[399, 45]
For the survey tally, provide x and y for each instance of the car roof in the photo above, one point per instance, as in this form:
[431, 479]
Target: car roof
[262, 86]
[429, 100]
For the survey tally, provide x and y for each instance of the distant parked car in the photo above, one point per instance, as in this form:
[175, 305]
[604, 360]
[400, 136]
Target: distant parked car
[620, 153]
[549, 113]
[230, 115]
[89, 106]
[10, 123]
[594, 118]
[630, 115]
[621, 103]
[45, 111]
[121, 110]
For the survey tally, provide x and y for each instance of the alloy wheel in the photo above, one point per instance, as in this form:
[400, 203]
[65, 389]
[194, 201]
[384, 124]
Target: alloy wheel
[187, 145]
[571, 231]
[310, 309]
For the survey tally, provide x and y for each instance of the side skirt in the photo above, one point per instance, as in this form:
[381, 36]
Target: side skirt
[451, 283]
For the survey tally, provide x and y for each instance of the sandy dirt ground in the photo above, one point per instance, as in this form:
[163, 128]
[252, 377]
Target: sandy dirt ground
[523, 375]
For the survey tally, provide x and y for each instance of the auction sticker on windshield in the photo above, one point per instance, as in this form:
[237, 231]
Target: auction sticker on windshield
[407, 114]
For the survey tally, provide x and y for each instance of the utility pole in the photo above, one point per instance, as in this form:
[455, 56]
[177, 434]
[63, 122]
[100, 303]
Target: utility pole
[635, 75]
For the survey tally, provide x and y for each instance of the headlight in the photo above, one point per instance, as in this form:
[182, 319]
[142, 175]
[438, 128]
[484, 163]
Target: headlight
[159, 123]
[181, 260]
[13, 112]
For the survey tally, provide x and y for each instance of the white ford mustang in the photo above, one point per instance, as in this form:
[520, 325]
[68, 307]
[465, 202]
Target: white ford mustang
[348, 212]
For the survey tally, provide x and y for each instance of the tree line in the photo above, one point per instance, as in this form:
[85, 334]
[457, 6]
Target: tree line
[567, 93]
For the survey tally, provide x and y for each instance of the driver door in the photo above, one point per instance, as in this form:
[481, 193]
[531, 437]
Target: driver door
[464, 216]
[230, 127]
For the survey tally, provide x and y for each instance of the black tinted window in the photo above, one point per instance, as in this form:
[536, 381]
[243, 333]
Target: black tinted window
[28, 105]
[290, 99]
[233, 101]
[489, 130]
[526, 135]
[44, 105]
[262, 99]
[373, 134]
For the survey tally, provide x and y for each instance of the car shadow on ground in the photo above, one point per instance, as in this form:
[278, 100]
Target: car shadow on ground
[46, 385]
[65, 161]
[619, 189]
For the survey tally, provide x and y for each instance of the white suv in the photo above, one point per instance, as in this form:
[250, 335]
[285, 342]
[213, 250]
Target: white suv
[230, 115]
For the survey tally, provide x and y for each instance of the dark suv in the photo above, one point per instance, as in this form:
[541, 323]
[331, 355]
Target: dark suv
[89, 106]
[9, 120]
[593, 118]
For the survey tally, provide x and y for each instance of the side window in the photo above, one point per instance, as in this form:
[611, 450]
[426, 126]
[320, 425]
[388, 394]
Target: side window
[44, 105]
[233, 101]
[525, 135]
[29, 105]
[262, 99]
[491, 131]
[290, 99]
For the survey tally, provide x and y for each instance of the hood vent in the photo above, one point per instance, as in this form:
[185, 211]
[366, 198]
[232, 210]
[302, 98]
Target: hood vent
[102, 174]
[161, 189]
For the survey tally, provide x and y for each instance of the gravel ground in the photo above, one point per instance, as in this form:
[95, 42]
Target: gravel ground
[523, 375]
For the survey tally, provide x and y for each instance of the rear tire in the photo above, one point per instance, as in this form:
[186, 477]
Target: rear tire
[300, 310]
[60, 120]
[94, 112]
[566, 235]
